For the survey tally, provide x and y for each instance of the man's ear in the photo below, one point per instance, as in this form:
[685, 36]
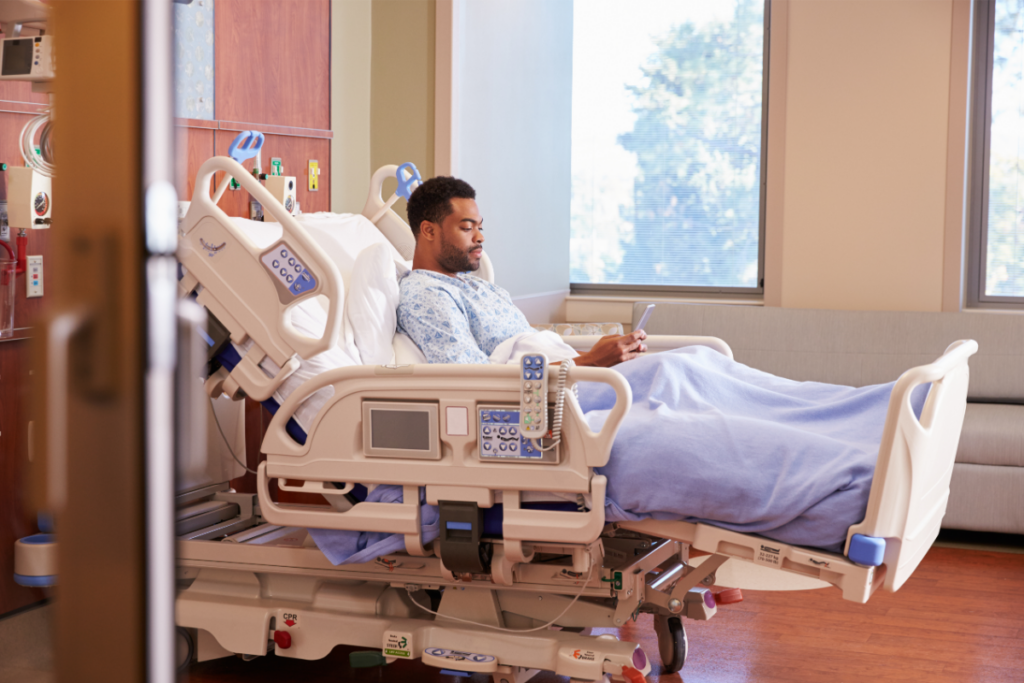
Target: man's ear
[429, 230]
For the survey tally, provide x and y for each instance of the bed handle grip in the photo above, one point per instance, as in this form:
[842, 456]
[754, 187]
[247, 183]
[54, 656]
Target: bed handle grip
[386, 518]
[330, 278]
[598, 454]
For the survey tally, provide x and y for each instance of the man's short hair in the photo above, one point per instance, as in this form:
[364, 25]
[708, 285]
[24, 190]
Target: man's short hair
[431, 201]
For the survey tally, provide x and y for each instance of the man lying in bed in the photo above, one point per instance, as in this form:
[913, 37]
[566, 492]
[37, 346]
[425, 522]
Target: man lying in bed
[452, 315]
[706, 439]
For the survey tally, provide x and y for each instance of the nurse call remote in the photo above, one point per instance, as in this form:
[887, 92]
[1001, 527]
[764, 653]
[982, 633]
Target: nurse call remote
[533, 395]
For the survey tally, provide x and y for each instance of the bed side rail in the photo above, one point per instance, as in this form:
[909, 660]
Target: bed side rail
[656, 343]
[915, 463]
[458, 472]
[239, 283]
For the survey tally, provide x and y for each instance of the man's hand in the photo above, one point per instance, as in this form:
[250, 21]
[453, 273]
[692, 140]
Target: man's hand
[613, 349]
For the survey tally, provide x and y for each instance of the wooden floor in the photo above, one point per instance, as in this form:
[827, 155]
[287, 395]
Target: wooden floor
[959, 619]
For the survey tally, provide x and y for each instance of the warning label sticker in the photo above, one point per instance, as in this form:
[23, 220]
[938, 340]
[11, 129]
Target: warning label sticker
[398, 644]
[768, 555]
[290, 619]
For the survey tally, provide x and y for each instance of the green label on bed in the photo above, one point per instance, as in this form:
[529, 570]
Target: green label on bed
[398, 644]
[617, 581]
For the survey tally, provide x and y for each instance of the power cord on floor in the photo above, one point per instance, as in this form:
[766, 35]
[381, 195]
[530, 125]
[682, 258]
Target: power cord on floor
[509, 630]
[226, 442]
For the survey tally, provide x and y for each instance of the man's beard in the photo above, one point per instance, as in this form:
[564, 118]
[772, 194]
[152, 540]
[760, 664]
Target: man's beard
[455, 259]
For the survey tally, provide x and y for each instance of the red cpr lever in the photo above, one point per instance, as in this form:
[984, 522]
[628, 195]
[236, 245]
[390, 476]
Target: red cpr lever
[283, 639]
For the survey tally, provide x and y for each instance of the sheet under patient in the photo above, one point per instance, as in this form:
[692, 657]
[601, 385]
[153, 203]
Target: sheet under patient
[709, 439]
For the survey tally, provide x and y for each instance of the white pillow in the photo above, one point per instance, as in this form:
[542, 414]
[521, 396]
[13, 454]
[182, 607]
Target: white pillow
[406, 351]
[371, 309]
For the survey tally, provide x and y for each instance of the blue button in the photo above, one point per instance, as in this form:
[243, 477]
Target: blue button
[487, 431]
[289, 278]
[513, 447]
[503, 447]
[487, 445]
[284, 252]
[527, 374]
[291, 262]
[298, 268]
[277, 264]
[486, 417]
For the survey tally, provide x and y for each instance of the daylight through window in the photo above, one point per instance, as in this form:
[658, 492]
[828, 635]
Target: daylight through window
[667, 143]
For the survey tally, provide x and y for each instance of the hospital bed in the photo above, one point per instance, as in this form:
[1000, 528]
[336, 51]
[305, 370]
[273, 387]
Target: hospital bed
[507, 594]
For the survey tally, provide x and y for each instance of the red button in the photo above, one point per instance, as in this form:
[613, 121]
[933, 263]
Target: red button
[283, 639]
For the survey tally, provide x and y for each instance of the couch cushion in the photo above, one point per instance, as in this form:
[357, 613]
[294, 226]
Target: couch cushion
[855, 347]
[993, 435]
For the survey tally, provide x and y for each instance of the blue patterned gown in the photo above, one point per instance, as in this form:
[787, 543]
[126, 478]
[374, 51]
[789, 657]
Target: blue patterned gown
[456, 319]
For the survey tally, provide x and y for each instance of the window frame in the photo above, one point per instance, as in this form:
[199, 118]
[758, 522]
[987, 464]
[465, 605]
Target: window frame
[613, 289]
[983, 61]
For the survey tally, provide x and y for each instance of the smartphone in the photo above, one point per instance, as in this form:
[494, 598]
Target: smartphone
[645, 317]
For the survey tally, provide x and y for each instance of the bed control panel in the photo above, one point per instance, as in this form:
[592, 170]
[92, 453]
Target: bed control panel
[533, 392]
[289, 272]
[502, 438]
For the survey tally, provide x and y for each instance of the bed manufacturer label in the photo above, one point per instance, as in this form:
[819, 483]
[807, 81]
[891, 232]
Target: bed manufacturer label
[398, 644]
[768, 555]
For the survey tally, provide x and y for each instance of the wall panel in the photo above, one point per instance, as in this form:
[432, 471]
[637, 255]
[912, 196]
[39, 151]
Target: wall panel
[295, 153]
[15, 519]
[18, 104]
[273, 62]
[195, 147]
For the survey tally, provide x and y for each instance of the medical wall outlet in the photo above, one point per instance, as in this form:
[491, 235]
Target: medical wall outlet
[314, 175]
[283, 189]
[291, 275]
[34, 277]
[533, 394]
[503, 439]
[28, 58]
[29, 198]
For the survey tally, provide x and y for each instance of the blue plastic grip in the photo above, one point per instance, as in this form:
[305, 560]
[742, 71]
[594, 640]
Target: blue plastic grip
[35, 581]
[44, 520]
[407, 185]
[867, 550]
[246, 145]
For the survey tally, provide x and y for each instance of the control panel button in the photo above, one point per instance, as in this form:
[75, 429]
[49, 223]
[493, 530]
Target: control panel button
[487, 445]
[503, 446]
[512, 431]
[513, 447]
[503, 431]
[487, 430]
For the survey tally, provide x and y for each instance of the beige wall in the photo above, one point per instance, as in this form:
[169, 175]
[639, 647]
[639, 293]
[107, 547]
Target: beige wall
[350, 103]
[402, 90]
[866, 133]
[382, 93]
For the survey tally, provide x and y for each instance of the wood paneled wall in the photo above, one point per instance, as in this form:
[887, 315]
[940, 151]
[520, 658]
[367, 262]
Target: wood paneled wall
[272, 74]
[18, 104]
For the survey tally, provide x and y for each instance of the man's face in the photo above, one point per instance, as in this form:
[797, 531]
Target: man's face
[461, 237]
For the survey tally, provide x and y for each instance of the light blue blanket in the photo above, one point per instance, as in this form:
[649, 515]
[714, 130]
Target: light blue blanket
[709, 439]
[712, 440]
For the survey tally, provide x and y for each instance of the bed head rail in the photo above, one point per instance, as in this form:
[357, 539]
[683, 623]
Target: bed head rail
[250, 289]
[397, 230]
[915, 462]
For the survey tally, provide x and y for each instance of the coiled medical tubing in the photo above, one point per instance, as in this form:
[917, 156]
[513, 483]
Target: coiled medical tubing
[43, 161]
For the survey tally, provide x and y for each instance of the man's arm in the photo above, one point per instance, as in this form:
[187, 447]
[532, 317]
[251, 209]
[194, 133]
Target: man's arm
[613, 349]
[439, 327]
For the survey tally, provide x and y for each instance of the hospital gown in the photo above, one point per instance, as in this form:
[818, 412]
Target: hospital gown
[456, 319]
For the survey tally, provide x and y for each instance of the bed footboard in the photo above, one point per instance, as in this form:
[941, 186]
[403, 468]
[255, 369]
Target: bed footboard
[915, 462]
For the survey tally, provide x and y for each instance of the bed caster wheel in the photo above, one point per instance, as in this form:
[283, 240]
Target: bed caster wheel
[672, 643]
[186, 649]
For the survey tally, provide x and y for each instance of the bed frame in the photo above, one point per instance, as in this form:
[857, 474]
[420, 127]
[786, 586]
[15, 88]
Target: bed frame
[567, 568]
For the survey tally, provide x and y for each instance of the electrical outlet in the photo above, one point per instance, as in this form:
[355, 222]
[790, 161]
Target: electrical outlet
[314, 175]
[34, 277]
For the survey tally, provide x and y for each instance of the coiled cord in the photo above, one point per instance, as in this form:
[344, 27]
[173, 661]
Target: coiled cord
[40, 162]
[556, 423]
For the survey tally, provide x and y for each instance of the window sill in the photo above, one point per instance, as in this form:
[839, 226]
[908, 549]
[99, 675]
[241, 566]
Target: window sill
[618, 308]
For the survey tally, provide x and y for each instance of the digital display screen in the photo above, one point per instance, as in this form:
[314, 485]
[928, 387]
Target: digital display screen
[17, 59]
[402, 429]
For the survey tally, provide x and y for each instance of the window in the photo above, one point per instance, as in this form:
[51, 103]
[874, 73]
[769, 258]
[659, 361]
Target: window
[995, 275]
[668, 125]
